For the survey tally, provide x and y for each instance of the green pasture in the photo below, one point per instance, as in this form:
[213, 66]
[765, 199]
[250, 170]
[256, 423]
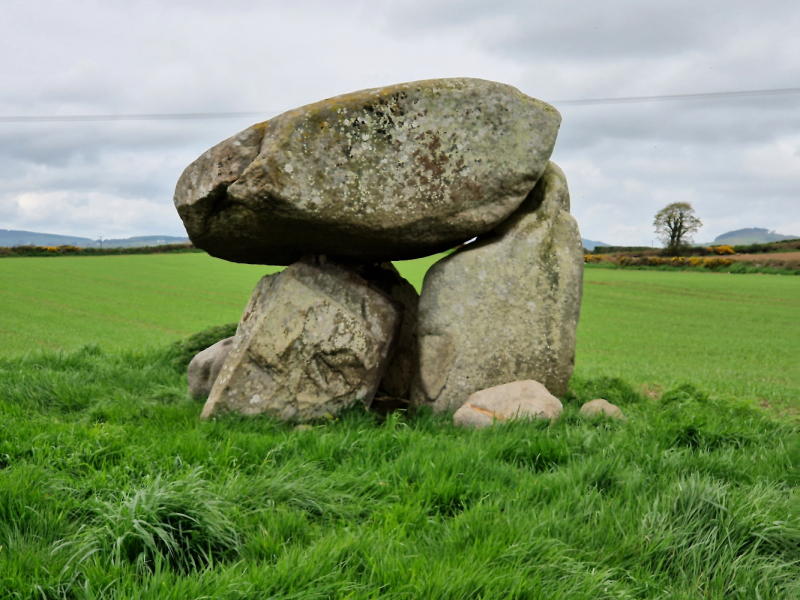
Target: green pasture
[118, 301]
[734, 335]
[126, 301]
[111, 488]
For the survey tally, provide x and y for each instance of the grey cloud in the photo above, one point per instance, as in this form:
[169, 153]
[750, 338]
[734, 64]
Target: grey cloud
[734, 159]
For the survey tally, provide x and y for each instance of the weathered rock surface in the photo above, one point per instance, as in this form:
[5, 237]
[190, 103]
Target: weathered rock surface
[601, 407]
[205, 366]
[314, 339]
[402, 367]
[384, 174]
[515, 400]
[504, 308]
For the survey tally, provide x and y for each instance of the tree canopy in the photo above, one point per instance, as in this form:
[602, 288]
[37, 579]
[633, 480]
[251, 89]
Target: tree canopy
[675, 225]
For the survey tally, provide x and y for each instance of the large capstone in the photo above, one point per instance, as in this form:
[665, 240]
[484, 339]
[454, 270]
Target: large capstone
[389, 173]
[504, 308]
[314, 339]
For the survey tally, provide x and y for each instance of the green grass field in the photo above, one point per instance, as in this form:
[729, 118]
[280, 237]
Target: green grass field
[118, 301]
[112, 488]
[126, 301]
[734, 335]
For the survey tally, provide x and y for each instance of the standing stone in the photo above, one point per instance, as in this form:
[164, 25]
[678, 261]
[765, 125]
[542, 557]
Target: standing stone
[504, 308]
[314, 339]
[388, 173]
[396, 381]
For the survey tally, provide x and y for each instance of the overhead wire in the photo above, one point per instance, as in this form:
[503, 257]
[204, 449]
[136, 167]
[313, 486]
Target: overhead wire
[234, 115]
[703, 96]
[134, 117]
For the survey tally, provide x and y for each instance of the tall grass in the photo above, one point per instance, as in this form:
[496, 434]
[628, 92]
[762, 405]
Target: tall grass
[111, 487]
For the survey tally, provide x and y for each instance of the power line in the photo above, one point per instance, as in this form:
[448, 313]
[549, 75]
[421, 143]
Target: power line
[141, 117]
[704, 96]
[234, 115]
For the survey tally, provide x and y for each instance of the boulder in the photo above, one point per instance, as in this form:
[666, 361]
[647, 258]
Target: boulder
[396, 381]
[315, 339]
[389, 173]
[515, 400]
[601, 407]
[505, 307]
[205, 366]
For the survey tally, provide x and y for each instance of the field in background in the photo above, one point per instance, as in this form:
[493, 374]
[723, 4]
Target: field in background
[733, 335]
[127, 301]
[118, 301]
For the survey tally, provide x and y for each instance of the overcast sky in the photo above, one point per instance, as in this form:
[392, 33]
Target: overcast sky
[737, 160]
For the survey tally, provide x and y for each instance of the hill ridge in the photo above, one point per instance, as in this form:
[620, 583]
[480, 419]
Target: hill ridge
[752, 235]
[17, 237]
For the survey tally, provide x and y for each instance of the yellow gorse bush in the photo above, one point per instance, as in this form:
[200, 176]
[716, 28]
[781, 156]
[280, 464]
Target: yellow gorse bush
[722, 250]
[716, 262]
[676, 261]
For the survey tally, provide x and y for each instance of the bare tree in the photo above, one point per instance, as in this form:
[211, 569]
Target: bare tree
[675, 224]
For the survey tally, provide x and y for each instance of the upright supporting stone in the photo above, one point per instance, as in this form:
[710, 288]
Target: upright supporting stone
[314, 339]
[504, 308]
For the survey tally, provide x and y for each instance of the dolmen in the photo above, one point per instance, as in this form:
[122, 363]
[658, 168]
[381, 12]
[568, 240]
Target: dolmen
[337, 189]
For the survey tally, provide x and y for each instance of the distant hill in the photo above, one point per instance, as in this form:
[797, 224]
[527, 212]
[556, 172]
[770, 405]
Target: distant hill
[590, 244]
[752, 235]
[11, 237]
[144, 240]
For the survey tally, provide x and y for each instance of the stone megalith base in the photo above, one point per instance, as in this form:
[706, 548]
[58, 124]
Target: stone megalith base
[504, 308]
[314, 339]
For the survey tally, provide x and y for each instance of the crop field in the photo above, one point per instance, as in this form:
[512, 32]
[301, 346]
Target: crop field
[112, 488]
[733, 335]
[126, 301]
[117, 301]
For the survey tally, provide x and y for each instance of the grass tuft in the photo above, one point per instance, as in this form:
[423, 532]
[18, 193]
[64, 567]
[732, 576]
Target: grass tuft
[684, 393]
[612, 389]
[180, 522]
[186, 350]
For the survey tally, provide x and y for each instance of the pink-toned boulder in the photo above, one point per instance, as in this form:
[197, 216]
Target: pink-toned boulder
[516, 400]
[601, 407]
